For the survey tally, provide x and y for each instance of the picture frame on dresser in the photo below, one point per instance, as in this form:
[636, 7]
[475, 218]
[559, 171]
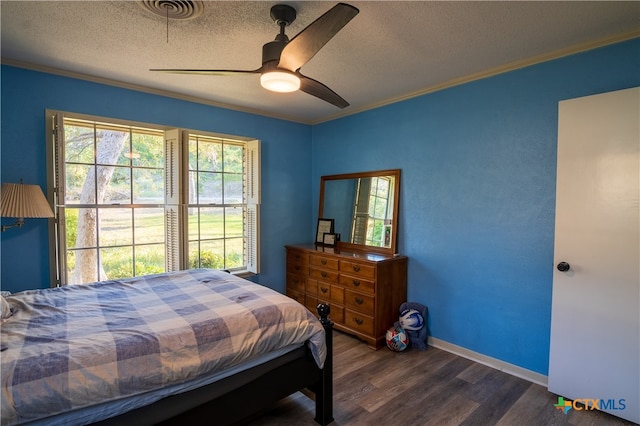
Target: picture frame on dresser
[325, 226]
[329, 239]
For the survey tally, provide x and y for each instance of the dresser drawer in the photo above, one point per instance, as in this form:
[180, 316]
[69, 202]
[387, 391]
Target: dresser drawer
[324, 291]
[337, 313]
[358, 301]
[296, 282]
[330, 293]
[311, 303]
[297, 262]
[295, 295]
[358, 321]
[323, 262]
[357, 283]
[337, 294]
[312, 287]
[297, 267]
[358, 269]
[297, 256]
[322, 274]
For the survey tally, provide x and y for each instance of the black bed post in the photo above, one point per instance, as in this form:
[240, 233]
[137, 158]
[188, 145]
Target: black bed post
[324, 395]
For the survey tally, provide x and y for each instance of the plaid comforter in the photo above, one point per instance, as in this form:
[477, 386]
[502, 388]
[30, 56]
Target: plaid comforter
[75, 346]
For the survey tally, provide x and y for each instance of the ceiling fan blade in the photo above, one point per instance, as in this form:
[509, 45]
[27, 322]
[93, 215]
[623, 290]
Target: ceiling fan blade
[309, 41]
[319, 90]
[207, 72]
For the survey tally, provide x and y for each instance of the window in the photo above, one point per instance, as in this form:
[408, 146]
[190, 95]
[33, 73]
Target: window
[217, 208]
[134, 200]
[371, 212]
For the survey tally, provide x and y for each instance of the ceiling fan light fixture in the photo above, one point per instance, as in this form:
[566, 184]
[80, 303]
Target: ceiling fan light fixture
[280, 81]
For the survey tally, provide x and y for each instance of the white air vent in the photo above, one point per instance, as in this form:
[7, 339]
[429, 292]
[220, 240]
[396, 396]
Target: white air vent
[174, 9]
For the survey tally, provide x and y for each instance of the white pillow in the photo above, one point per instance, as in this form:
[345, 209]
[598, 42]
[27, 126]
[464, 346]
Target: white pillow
[5, 309]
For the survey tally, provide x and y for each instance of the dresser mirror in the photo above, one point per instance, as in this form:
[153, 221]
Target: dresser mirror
[364, 207]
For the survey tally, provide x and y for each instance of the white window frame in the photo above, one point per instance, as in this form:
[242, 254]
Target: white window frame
[176, 193]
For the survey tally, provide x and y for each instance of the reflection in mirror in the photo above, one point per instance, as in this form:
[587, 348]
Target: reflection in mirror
[364, 207]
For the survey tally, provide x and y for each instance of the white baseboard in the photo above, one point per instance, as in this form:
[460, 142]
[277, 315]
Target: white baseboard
[514, 370]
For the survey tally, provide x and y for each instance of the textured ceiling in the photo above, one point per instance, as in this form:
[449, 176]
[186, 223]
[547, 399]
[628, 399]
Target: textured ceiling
[391, 50]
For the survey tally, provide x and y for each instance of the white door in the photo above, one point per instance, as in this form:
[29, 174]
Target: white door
[595, 318]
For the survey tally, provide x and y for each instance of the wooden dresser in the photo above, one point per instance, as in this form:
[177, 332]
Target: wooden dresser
[364, 289]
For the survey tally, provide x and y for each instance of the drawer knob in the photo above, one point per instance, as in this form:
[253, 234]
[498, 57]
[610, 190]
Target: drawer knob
[358, 321]
[356, 268]
[359, 300]
[356, 283]
[323, 261]
[324, 274]
[324, 289]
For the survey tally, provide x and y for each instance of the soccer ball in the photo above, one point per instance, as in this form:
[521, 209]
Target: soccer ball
[410, 319]
[397, 339]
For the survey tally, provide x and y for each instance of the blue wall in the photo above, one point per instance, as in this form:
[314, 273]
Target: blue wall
[27, 94]
[477, 194]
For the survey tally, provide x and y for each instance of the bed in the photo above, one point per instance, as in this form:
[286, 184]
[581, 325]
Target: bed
[187, 346]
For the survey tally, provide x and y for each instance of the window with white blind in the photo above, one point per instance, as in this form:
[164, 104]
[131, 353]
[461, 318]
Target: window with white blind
[135, 199]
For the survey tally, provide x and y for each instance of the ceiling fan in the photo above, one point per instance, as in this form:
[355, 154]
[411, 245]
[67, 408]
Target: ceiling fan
[283, 58]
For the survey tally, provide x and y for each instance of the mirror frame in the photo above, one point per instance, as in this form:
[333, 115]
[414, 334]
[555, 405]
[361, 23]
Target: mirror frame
[396, 202]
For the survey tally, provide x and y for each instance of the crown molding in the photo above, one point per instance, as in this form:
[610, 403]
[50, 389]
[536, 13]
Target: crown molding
[142, 88]
[512, 66]
[556, 54]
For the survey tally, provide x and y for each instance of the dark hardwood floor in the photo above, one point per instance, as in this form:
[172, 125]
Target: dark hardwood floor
[431, 387]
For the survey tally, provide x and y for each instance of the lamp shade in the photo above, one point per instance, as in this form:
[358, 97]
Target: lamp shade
[20, 200]
[280, 81]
